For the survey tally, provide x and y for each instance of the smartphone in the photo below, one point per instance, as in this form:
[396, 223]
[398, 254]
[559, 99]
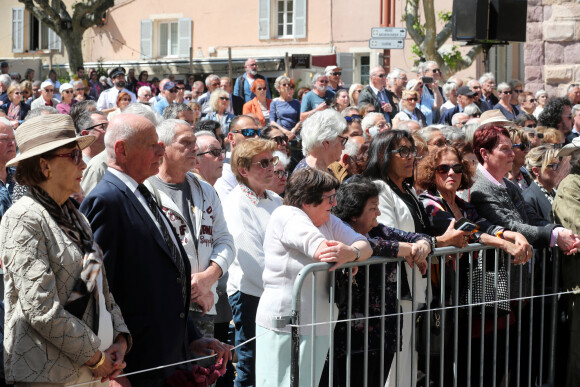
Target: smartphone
[465, 225]
[427, 80]
[328, 101]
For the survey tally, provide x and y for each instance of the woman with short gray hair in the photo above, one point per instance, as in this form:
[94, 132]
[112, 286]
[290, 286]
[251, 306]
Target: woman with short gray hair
[323, 139]
[450, 93]
[507, 109]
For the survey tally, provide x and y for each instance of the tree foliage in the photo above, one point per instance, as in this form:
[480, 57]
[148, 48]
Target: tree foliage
[430, 44]
[71, 25]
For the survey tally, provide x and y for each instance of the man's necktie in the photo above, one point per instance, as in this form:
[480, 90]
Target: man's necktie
[173, 249]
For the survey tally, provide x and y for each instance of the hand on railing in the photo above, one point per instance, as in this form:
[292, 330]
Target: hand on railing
[568, 242]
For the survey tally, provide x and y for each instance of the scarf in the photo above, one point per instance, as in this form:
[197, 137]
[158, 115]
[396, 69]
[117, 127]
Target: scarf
[72, 223]
[14, 112]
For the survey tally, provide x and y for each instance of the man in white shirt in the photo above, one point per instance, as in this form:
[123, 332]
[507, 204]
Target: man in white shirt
[46, 97]
[108, 99]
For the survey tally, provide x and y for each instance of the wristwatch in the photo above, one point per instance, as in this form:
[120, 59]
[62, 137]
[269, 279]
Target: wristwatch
[357, 253]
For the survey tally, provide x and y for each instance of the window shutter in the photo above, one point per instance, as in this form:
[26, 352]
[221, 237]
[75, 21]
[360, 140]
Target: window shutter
[184, 42]
[264, 19]
[300, 8]
[146, 39]
[54, 41]
[18, 29]
[346, 61]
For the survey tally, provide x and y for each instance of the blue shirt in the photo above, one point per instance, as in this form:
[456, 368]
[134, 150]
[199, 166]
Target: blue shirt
[311, 100]
[285, 113]
[6, 191]
[161, 105]
[248, 95]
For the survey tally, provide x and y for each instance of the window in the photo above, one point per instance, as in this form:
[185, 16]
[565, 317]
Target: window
[29, 34]
[285, 14]
[365, 69]
[168, 39]
[38, 38]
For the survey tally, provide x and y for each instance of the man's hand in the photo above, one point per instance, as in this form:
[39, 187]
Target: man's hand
[207, 346]
[205, 302]
[117, 352]
[201, 283]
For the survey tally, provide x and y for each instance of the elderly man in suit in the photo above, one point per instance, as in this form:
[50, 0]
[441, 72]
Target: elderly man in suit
[147, 267]
[377, 94]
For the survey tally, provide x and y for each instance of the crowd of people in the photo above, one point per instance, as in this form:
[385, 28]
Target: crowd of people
[139, 218]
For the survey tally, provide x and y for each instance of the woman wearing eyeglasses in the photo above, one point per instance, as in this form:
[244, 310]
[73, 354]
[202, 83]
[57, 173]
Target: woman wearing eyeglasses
[219, 102]
[280, 173]
[247, 210]
[505, 94]
[300, 232]
[390, 164]
[521, 146]
[409, 110]
[123, 100]
[62, 325]
[259, 105]
[16, 108]
[354, 92]
[271, 132]
[67, 98]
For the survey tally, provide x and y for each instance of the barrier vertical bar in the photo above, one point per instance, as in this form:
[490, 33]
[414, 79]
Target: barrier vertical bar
[507, 328]
[331, 331]
[519, 346]
[495, 298]
[470, 317]
[313, 333]
[428, 323]
[413, 333]
[442, 322]
[543, 316]
[383, 300]
[348, 328]
[483, 305]
[366, 336]
[456, 319]
[531, 342]
[555, 286]
[397, 366]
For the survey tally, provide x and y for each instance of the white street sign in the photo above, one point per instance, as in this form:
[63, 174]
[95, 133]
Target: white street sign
[387, 44]
[388, 32]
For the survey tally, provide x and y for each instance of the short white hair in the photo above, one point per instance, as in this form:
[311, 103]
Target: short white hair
[6, 122]
[396, 73]
[540, 92]
[503, 86]
[123, 131]
[471, 81]
[425, 65]
[142, 90]
[144, 110]
[351, 148]
[448, 88]
[456, 117]
[453, 134]
[404, 125]
[486, 77]
[282, 158]
[472, 109]
[210, 78]
[166, 130]
[325, 125]
[369, 120]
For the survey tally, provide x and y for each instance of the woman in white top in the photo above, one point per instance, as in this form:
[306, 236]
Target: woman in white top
[301, 232]
[247, 210]
[409, 110]
[541, 98]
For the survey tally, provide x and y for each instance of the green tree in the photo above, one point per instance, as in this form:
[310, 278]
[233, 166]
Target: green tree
[429, 43]
[70, 26]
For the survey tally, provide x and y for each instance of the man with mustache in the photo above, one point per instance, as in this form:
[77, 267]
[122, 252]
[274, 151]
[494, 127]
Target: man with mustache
[318, 98]
[108, 99]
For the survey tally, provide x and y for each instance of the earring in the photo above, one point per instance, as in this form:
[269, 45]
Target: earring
[49, 175]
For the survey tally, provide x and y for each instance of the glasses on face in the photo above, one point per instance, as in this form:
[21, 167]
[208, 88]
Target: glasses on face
[67, 91]
[506, 92]
[412, 99]
[76, 156]
[102, 126]
[215, 84]
[260, 88]
[148, 95]
[336, 73]
[380, 75]
[49, 90]
[225, 98]
[343, 140]
[523, 146]
[444, 168]
[475, 87]
[81, 89]
[181, 88]
[280, 140]
[214, 152]
[172, 91]
[281, 174]
[288, 85]
[248, 132]
[331, 198]
[441, 143]
[405, 151]
[554, 166]
[265, 163]
[354, 117]
[532, 100]
[319, 81]
[435, 71]
[381, 125]
[518, 91]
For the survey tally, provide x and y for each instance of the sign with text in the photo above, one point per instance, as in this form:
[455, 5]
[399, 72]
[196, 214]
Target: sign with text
[387, 44]
[389, 32]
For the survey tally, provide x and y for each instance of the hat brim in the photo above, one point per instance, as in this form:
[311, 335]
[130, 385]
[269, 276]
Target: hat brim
[83, 142]
[568, 150]
[495, 120]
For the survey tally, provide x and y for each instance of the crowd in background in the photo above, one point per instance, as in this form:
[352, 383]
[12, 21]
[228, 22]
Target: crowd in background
[255, 180]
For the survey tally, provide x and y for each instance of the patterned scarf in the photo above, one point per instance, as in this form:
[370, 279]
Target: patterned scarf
[78, 230]
[14, 112]
[549, 195]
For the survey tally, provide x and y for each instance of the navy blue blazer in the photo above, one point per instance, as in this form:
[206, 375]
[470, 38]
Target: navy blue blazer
[448, 115]
[142, 277]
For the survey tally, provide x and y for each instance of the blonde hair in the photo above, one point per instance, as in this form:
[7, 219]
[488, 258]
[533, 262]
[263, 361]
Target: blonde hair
[410, 93]
[552, 136]
[215, 96]
[244, 152]
[540, 156]
[517, 132]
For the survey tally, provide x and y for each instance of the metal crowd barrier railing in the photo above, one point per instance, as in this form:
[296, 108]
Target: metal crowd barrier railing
[476, 334]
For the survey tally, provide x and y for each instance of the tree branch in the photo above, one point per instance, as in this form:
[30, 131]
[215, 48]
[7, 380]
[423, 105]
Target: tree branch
[428, 47]
[45, 13]
[411, 19]
[88, 14]
[443, 35]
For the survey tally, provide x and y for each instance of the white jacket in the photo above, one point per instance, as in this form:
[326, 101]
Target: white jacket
[214, 241]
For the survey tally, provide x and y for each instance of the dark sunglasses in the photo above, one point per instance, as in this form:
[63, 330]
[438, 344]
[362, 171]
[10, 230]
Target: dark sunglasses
[181, 88]
[518, 91]
[75, 155]
[554, 166]
[337, 73]
[259, 89]
[506, 92]
[282, 174]
[444, 168]
[214, 152]
[405, 151]
[523, 146]
[436, 71]
[354, 117]
[265, 163]
[288, 85]
[225, 98]
[248, 132]
[173, 90]
[280, 139]
[412, 99]
[343, 140]
[64, 91]
[532, 100]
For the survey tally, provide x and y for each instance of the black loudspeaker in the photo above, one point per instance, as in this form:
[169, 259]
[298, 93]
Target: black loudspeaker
[469, 19]
[499, 20]
[507, 20]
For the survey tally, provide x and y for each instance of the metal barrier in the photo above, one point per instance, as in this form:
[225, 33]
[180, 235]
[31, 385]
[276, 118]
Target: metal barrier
[476, 347]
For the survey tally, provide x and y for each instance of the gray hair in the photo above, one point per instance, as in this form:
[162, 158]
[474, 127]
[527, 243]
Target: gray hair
[40, 111]
[472, 109]
[457, 116]
[404, 125]
[396, 73]
[351, 149]
[85, 120]
[174, 109]
[210, 78]
[203, 133]
[540, 92]
[325, 125]
[471, 81]
[575, 108]
[448, 88]
[282, 158]
[166, 130]
[78, 82]
[280, 79]
[316, 76]
[349, 109]
[424, 66]
[6, 122]
[572, 87]
[123, 132]
[503, 86]
[425, 133]
[144, 111]
[453, 134]
[369, 120]
[469, 130]
[5, 80]
[486, 77]
[514, 82]
[142, 90]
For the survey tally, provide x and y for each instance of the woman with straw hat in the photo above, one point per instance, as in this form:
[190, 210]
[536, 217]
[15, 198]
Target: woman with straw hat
[62, 325]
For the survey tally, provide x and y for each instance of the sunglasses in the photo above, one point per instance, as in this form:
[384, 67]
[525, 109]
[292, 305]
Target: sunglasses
[506, 92]
[248, 132]
[76, 156]
[103, 126]
[518, 90]
[444, 168]
[381, 75]
[173, 90]
[523, 146]
[553, 166]
[265, 163]
[181, 88]
[331, 198]
[280, 139]
[288, 85]
[225, 98]
[532, 100]
[413, 99]
[281, 174]
[405, 151]
[436, 71]
[214, 152]
[49, 90]
[354, 117]
[337, 73]
[64, 91]
[259, 89]
[343, 140]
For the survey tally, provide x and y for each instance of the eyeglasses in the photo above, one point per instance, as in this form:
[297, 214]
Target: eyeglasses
[102, 126]
[523, 146]
[288, 85]
[444, 168]
[81, 89]
[506, 92]
[554, 166]
[532, 100]
[146, 95]
[76, 156]
[265, 163]
[225, 98]
[214, 152]
[64, 91]
[181, 88]
[319, 81]
[281, 174]
[248, 132]
[518, 90]
[405, 151]
[280, 139]
[331, 198]
[412, 99]
[49, 90]
[337, 73]
[436, 71]
[260, 88]
[380, 75]
[354, 117]
[475, 87]
[172, 90]
[343, 140]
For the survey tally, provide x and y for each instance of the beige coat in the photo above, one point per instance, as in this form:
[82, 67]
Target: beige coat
[42, 341]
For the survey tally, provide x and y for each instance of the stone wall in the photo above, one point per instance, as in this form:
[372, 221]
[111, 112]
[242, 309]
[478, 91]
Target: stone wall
[552, 48]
